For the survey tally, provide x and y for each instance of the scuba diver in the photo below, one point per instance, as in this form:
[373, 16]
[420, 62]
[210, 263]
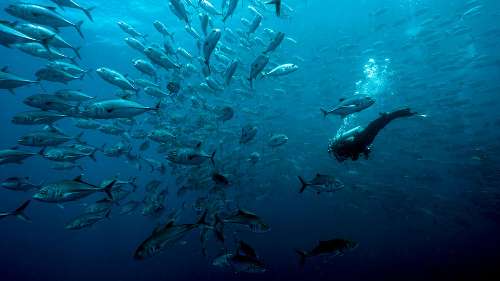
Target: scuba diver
[358, 140]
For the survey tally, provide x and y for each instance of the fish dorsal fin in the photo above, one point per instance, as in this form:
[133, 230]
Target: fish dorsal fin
[198, 145]
[245, 213]
[53, 9]
[246, 250]
[341, 99]
[163, 227]
[78, 178]
[51, 128]
[323, 242]
[5, 69]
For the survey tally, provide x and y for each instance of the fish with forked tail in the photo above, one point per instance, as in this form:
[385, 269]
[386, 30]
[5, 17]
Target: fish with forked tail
[334, 247]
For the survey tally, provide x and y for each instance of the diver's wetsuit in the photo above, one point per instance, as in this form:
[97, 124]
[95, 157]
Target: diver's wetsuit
[357, 142]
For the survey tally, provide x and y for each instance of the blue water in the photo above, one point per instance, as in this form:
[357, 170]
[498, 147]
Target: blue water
[424, 206]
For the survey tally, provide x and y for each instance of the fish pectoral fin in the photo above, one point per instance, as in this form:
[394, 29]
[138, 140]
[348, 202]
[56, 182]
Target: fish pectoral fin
[78, 178]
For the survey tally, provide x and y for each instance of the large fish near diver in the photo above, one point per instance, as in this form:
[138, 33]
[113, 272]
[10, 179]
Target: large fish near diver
[350, 105]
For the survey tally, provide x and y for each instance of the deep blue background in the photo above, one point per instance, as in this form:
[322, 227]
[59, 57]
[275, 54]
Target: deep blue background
[425, 206]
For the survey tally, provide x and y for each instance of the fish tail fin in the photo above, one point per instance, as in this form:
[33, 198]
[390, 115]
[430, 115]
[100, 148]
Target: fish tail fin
[42, 151]
[87, 13]
[108, 212]
[304, 184]
[78, 27]
[39, 186]
[73, 60]
[212, 158]
[77, 52]
[207, 63]
[41, 86]
[152, 167]
[108, 188]
[89, 72]
[202, 219]
[302, 257]
[92, 155]
[277, 4]
[45, 43]
[162, 168]
[19, 212]
[133, 183]
[251, 83]
[219, 228]
[324, 112]
[158, 105]
[78, 138]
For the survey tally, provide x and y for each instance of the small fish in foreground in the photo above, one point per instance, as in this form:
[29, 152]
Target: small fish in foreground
[333, 247]
[321, 183]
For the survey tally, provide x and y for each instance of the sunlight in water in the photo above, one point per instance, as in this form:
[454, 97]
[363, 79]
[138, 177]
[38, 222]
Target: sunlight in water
[376, 75]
